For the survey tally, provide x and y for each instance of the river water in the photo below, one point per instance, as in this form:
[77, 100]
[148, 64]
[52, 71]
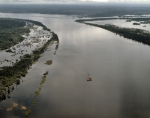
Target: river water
[119, 67]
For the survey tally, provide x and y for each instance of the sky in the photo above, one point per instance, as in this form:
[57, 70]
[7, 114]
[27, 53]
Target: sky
[50, 1]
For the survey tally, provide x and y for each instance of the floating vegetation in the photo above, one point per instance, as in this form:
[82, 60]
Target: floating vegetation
[38, 91]
[27, 112]
[43, 80]
[45, 73]
[23, 107]
[26, 109]
[33, 102]
[10, 109]
[49, 62]
[14, 105]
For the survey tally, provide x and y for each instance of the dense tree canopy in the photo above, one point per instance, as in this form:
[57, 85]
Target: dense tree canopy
[11, 31]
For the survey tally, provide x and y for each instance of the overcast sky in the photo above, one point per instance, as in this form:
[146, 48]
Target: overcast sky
[56, 1]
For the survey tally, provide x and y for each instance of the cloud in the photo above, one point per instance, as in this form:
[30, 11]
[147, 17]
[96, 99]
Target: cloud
[14, 1]
[22, 0]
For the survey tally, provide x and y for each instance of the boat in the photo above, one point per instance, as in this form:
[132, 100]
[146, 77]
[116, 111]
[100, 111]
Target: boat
[89, 78]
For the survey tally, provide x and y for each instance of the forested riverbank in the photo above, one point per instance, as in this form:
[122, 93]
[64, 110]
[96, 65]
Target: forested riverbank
[138, 35]
[11, 74]
[11, 31]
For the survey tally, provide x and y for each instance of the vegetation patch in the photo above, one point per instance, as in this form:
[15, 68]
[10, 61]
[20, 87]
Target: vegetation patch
[136, 23]
[49, 62]
[43, 80]
[23, 107]
[37, 92]
[11, 31]
[27, 112]
[45, 73]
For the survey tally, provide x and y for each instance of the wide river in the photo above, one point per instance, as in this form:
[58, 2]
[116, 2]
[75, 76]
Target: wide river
[119, 67]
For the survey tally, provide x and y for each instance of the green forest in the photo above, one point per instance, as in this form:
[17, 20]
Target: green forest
[11, 31]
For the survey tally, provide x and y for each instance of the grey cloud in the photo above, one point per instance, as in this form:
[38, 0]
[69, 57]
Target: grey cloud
[74, 0]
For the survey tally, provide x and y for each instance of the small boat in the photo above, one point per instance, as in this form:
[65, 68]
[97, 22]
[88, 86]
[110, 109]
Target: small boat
[89, 78]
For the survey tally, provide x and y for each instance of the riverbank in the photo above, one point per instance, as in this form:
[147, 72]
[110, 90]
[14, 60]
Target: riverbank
[114, 18]
[11, 74]
[138, 35]
[37, 36]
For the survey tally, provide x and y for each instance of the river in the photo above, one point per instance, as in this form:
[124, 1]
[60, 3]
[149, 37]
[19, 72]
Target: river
[119, 67]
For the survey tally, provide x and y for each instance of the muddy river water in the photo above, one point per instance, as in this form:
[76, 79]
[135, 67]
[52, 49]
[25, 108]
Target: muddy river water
[119, 68]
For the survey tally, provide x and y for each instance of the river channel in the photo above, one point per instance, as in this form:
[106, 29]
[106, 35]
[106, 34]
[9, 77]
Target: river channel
[119, 68]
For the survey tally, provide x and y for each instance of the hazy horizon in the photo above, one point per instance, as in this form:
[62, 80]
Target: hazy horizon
[69, 1]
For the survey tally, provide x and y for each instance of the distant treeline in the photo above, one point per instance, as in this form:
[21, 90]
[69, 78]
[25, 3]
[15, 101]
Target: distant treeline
[128, 18]
[92, 10]
[138, 35]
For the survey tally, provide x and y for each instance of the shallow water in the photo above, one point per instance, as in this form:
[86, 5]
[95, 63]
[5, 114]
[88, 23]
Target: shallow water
[119, 69]
[25, 47]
